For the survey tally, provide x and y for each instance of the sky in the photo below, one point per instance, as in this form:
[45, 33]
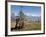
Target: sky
[27, 10]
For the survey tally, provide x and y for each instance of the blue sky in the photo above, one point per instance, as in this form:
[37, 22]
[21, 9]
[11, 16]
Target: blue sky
[27, 10]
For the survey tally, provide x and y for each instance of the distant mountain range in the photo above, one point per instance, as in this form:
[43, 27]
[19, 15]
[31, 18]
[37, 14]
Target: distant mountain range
[33, 18]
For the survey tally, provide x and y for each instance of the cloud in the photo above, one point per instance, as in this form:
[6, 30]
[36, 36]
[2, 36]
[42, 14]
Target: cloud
[30, 14]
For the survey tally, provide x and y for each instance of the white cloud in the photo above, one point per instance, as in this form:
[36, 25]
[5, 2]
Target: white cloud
[16, 14]
[29, 14]
[34, 15]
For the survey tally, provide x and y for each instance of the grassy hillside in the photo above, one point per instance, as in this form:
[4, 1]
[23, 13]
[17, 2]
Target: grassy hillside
[28, 26]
